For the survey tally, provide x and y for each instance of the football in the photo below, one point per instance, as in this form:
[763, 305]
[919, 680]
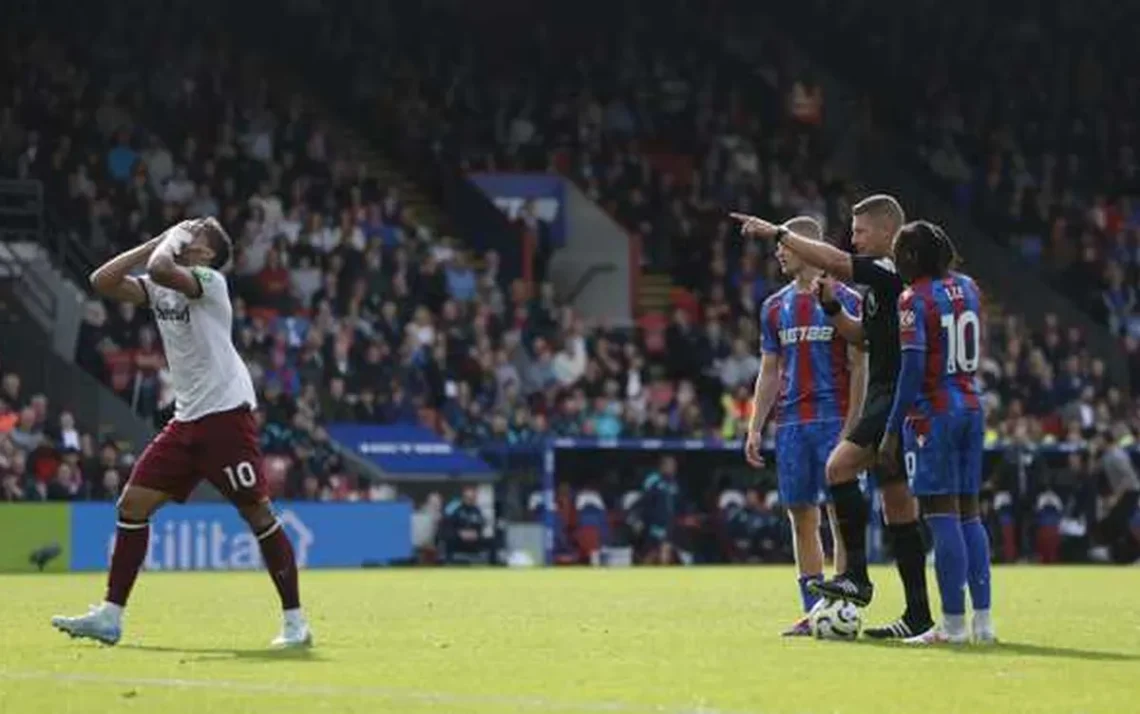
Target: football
[835, 620]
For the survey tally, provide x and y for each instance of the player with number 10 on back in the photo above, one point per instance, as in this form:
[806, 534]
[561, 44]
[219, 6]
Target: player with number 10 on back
[938, 409]
[213, 434]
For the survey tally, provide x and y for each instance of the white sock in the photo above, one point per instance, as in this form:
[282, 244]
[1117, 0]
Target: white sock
[955, 624]
[293, 618]
[982, 620]
[115, 611]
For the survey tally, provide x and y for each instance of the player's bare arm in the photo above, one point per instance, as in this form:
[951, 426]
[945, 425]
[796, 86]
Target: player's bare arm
[857, 361]
[764, 395]
[113, 279]
[163, 266]
[818, 254]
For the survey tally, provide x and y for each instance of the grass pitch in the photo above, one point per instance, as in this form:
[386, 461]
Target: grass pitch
[571, 640]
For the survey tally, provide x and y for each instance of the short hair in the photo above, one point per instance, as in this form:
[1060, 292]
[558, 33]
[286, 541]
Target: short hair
[221, 243]
[805, 226]
[881, 205]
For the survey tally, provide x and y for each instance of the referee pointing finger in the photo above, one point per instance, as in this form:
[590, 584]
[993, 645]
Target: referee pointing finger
[875, 222]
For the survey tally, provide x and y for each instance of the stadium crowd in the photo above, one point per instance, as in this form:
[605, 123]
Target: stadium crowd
[46, 456]
[348, 308]
[1023, 112]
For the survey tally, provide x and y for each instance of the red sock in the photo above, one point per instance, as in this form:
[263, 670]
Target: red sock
[277, 552]
[132, 539]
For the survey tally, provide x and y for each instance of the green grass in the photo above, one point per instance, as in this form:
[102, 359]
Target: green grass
[645, 640]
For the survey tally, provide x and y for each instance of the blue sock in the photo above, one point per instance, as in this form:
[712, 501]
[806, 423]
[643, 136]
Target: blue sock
[949, 561]
[809, 599]
[978, 557]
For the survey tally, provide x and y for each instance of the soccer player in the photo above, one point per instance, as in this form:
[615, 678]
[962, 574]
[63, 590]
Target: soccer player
[938, 408]
[875, 221]
[818, 378]
[213, 434]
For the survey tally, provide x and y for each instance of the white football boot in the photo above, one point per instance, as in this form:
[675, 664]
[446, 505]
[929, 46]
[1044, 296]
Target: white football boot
[295, 632]
[100, 623]
[939, 635]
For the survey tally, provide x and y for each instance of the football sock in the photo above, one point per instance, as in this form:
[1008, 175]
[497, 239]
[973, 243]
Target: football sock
[115, 611]
[294, 617]
[978, 559]
[806, 596]
[851, 515]
[132, 539]
[277, 552]
[910, 559]
[949, 561]
[955, 625]
[982, 620]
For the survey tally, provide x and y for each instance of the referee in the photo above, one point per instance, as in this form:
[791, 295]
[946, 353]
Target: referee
[875, 222]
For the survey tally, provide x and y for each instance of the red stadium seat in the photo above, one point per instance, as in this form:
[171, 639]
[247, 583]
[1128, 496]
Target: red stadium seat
[589, 539]
[687, 301]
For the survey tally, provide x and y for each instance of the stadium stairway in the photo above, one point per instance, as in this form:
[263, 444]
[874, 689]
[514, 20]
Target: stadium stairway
[354, 146]
[27, 349]
[654, 293]
[422, 208]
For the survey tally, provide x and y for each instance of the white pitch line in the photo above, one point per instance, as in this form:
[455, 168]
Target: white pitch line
[392, 694]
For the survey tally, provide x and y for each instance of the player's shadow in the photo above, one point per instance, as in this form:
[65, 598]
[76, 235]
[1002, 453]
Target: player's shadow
[213, 654]
[1019, 649]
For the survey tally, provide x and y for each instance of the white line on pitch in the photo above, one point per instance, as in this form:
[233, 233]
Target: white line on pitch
[392, 694]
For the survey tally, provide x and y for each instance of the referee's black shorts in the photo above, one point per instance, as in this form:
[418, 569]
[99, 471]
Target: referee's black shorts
[868, 431]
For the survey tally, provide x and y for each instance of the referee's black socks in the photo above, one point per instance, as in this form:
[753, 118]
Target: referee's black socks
[851, 515]
[910, 558]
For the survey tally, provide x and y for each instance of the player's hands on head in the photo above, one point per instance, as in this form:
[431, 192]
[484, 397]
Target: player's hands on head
[754, 226]
[752, 451]
[888, 456]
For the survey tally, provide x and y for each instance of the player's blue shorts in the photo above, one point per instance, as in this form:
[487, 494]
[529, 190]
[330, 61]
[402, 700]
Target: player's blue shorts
[942, 454]
[801, 460]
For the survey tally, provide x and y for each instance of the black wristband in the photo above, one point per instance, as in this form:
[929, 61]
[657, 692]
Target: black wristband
[831, 308]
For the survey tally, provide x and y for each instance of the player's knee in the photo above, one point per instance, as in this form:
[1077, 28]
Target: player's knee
[258, 516]
[134, 505]
[969, 507]
[899, 505]
[805, 519]
[842, 465]
[940, 505]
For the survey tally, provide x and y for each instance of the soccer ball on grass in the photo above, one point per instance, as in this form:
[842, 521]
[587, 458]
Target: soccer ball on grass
[835, 620]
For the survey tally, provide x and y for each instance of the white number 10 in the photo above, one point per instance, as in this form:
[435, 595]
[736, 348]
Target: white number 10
[962, 349]
[243, 476]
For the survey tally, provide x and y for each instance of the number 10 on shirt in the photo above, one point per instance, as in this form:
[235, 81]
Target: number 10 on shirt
[962, 350]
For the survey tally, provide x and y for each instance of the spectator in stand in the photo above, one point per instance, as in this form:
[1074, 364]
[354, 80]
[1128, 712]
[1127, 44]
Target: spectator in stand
[26, 435]
[1021, 479]
[740, 369]
[1116, 528]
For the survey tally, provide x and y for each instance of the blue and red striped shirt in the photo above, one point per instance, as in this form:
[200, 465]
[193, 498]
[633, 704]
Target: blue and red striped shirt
[943, 318]
[815, 375]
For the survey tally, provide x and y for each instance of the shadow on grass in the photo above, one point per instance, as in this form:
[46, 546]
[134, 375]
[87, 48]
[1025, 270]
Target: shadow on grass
[209, 654]
[1014, 649]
